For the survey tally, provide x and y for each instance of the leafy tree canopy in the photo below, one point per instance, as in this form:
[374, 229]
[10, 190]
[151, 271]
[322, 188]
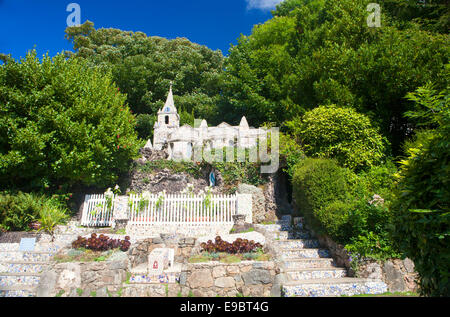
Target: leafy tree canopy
[339, 133]
[143, 68]
[62, 122]
[321, 52]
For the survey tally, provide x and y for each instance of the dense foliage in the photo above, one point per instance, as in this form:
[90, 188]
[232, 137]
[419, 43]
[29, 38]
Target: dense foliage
[422, 208]
[143, 68]
[62, 122]
[238, 246]
[339, 133]
[321, 52]
[346, 206]
[19, 211]
[101, 243]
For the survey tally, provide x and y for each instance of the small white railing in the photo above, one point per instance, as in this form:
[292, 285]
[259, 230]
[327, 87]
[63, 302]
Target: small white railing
[96, 212]
[182, 209]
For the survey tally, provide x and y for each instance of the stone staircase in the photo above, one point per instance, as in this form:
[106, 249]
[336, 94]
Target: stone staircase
[308, 269]
[20, 272]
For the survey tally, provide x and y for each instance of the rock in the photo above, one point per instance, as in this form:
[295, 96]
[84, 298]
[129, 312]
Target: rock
[118, 256]
[257, 276]
[46, 284]
[394, 278]
[409, 265]
[233, 269]
[183, 277]
[258, 200]
[276, 287]
[118, 265]
[224, 282]
[218, 271]
[70, 277]
[371, 270]
[74, 252]
[200, 278]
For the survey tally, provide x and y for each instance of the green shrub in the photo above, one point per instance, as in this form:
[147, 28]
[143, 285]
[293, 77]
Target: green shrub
[422, 212]
[339, 203]
[339, 133]
[62, 122]
[422, 205]
[144, 125]
[334, 220]
[52, 213]
[317, 183]
[17, 211]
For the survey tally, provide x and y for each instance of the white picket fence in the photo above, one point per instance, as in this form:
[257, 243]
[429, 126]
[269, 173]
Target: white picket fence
[96, 212]
[173, 209]
[183, 210]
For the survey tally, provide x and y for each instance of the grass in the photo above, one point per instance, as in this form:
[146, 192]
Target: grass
[60, 293]
[199, 259]
[85, 256]
[231, 259]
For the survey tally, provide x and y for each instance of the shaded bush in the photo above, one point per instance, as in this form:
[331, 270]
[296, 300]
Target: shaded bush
[62, 122]
[342, 134]
[318, 183]
[338, 203]
[17, 211]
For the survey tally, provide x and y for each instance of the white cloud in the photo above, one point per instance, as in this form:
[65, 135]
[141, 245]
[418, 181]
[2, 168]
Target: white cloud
[262, 4]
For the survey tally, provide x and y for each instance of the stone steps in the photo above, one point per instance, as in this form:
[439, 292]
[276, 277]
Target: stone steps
[309, 263]
[310, 270]
[19, 279]
[20, 271]
[44, 247]
[17, 291]
[34, 256]
[315, 273]
[287, 253]
[332, 287]
[298, 244]
[22, 267]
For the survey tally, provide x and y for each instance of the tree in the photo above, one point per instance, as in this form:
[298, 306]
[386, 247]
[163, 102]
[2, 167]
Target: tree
[62, 122]
[143, 68]
[321, 52]
[341, 134]
[422, 207]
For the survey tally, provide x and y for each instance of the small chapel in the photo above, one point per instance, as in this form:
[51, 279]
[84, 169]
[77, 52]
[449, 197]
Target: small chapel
[181, 141]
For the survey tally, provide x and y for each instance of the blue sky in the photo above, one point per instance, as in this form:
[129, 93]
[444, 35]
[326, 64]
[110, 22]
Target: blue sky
[25, 24]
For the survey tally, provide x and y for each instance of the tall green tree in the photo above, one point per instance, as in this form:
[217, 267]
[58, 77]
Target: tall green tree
[322, 52]
[62, 122]
[143, 67]
[422, 207]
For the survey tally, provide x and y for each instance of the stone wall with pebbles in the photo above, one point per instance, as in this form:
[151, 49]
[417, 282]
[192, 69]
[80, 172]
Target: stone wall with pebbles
[248, 278]
[399, 275]
[139, 252]
[79, 279]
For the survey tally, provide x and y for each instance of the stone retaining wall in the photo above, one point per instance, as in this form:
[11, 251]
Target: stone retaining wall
[100, 279]
[139, 252]
[399, 275]
[247, 278]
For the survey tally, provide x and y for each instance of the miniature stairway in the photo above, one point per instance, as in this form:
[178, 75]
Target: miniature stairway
[20, 271]
[310, 270]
